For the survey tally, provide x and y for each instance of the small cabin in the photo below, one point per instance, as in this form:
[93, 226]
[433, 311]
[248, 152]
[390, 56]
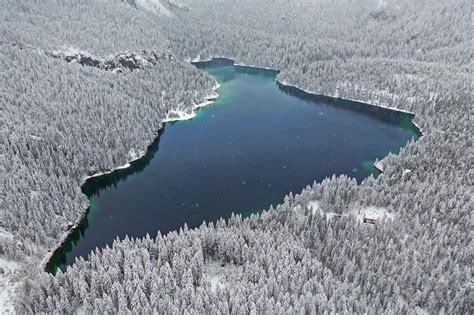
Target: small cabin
[368, 220]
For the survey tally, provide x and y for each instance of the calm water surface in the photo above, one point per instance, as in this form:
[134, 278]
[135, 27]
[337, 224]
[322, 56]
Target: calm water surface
[241, 154]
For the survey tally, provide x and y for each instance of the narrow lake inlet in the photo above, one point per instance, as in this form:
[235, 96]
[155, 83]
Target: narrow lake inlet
[257, 142]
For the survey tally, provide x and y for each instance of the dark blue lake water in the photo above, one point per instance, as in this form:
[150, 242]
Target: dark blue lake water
[257, 142]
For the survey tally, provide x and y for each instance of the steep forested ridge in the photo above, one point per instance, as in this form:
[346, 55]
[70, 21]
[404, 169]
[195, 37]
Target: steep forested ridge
[62, 121]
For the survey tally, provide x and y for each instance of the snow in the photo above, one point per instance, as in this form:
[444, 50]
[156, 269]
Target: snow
[382, 5]
[197, 59]
[5, 234]
[417, 126]
[241, 64]
[36, 137]
[154, 6]
[371, 212]
[314, 206]
[406, 171]
[178, 114]
[70, 51]
[236, 64]
[133, 155]
[379, 166]
[300, 215]
[218, 276]
[349, 99]
[420, 311]
[8, 285]
[179, 4]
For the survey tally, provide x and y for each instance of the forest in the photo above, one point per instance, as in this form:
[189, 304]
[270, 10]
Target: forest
[63, 119]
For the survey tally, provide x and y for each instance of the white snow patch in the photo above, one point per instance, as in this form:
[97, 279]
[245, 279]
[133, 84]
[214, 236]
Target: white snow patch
[8, 285]
[80, 310]
[5, 234]
[406, 171]
[134, 155]
[32, 136]
[376, 213]
[236, 64]
[154, 6]
[179, 114]
[379, 166]
[300, 214]
[241, 64]
[420, 311]
[218, 276]
[70, 51]
[314, 206]
[382, 4]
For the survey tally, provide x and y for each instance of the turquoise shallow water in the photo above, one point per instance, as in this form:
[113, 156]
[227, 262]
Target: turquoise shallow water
[257, 142]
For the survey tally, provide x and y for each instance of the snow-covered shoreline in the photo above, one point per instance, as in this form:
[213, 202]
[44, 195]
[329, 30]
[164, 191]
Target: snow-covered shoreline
[241, 64]
[209, 99]
[182, 115]
[236, 64]
[347, 99]
[284, 83]
[378, 165]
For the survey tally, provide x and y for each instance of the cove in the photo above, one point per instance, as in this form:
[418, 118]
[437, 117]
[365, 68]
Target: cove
[257, 142]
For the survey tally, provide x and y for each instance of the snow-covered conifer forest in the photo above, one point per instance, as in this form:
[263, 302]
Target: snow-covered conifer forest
[86, 84]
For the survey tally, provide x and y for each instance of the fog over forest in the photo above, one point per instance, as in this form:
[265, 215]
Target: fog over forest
[85, 86]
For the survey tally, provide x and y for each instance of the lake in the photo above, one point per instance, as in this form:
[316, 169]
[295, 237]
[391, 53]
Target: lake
[257, 142]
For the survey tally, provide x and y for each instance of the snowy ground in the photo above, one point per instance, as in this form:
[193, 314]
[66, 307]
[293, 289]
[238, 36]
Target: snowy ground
[376, 213]
[154, 6]
[314, 207]
[218, 276]
[8, 284]
[8, 279]
[177, 114]
[371, 102]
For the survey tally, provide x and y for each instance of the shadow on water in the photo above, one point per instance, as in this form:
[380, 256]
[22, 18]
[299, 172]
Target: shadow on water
[386, 115]
[93, 186]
